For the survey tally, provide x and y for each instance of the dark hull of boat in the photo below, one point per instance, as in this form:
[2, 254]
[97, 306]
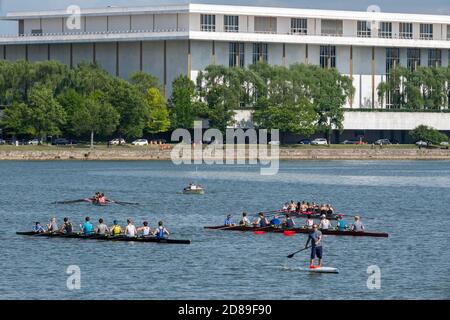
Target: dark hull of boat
[104, 238]
[301, 230]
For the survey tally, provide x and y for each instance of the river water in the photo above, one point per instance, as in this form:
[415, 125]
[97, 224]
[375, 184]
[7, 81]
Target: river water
[409, 200]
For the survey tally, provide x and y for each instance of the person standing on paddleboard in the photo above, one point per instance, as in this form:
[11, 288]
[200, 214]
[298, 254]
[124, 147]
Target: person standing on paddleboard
[315, 237]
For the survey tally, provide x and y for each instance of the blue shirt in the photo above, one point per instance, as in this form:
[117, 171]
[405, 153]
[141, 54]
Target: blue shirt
[341, 225]
[88, 228]
[275, 222]
[38, 229]
[228, 222]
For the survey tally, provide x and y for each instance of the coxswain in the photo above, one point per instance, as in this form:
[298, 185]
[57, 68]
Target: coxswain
[315, 237]
[38, 228]
[357, 225]
[228, 221]
[130, 229]
[340, 223]
[244, 221]
[102, 199]
[309, 223]
[67, 227]
[161, 231]
[288, 222]
[52, 226]
[325, 224]
[102, 228]
[115, 229]
[262, 221]
[145, 229]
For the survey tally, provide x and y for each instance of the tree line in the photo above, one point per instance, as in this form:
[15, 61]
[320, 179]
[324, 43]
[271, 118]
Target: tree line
[50, 99]
[424, 88]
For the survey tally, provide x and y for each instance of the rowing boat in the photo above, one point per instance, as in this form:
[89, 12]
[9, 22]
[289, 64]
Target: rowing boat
[301, 230]
[104, 237]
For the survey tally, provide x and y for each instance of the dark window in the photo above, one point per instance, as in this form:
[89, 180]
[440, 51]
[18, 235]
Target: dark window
[236, 54]
[231, 23]
[328, 56]
[207, 22]
[260, 52]
[364, 29]
[413, 58]
[392, 58]
[299, 26]
[434, 57]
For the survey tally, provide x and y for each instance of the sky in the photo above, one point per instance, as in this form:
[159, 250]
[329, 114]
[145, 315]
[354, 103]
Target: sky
[404, 6]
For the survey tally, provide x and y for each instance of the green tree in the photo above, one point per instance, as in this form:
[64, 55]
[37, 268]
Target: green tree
[221, 91]
[72, 102]
[131, 106]
[329, 95]
[159, 113]
[183, 104]
[15, 118]
[428, 134]
[95, 116]
[144, 81]
[46, 116]
[283, 103]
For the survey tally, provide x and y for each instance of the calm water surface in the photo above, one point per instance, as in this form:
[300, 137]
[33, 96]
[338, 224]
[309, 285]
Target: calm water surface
[409, 200]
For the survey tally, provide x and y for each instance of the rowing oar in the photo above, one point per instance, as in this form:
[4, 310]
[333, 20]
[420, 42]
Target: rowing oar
[293, 254]
[70, 201]
[123, 203]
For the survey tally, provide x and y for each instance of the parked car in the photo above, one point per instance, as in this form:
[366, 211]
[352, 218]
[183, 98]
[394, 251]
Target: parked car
[34, 142]
[140, 142]
[61, 142]
[304, 141]
[421, 143]
[382, 142]
[444, 143]
[115, 142]
[2, 141]
[274, 143]
[358, 141]
[319, 141]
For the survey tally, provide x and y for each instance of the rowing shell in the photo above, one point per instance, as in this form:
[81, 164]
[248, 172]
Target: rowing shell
[270, 229]
[105, 238]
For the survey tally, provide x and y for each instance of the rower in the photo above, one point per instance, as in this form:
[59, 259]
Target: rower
[38, 228]
[262, 221]
[102, 199]
[228, 221]
[130, 229]
[357, 226]
[275, 222]
[87, 227]
[102, 228]
[161, 231]
[325, 224]
[315, 238]
[67, 227]
[309, 223]
[145, 229]
[52, 226]
[292, 206]
[340, 223]
[244, 221]
[115, 230]
[288, 222]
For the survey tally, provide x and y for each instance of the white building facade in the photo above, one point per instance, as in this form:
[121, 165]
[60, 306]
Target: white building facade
[183, 39]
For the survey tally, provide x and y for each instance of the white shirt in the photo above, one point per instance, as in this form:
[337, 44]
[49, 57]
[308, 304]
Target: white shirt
[309, 223]
[325, 224]
[130, 231]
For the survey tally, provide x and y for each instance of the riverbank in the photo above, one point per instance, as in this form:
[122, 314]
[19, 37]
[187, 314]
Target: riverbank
[338, 152]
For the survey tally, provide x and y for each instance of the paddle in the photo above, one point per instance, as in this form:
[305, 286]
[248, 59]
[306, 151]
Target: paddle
[70, 201]
[293, 254]
[123, 203]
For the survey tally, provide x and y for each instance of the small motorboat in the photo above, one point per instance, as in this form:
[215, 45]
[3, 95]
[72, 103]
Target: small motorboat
[194, 189]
